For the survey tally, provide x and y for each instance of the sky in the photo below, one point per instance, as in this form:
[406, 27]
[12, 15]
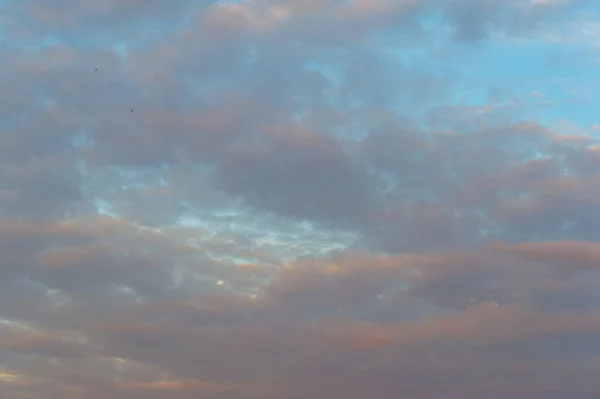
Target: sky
[286, 199]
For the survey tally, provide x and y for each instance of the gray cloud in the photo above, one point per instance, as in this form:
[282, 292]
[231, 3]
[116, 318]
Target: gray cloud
[293, 199]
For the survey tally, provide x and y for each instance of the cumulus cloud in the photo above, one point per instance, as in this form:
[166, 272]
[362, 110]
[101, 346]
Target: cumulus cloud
[290, 199]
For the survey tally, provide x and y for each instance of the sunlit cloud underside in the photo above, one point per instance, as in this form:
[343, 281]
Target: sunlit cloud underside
[300, 199]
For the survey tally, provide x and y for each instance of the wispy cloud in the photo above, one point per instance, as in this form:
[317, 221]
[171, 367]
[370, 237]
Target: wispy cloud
[299, 198]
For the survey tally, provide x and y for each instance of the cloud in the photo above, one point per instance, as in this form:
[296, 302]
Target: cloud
[290, 199]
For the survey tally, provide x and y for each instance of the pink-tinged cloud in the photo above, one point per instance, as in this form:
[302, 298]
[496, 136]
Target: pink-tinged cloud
[300, 198]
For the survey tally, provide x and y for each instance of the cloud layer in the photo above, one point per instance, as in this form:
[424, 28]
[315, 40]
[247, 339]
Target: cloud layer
[299, 198]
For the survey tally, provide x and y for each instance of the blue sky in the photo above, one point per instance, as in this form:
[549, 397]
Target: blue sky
[299, 198]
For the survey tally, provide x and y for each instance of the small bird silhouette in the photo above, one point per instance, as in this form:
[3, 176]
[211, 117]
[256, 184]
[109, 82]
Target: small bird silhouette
[131, 110]
[96, 69]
